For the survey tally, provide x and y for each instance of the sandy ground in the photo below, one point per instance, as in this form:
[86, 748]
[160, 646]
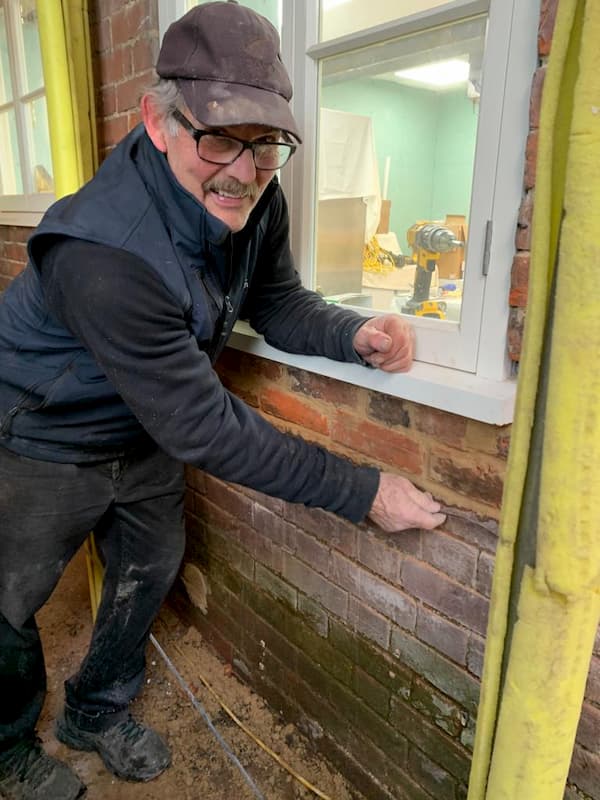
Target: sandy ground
[200, 768]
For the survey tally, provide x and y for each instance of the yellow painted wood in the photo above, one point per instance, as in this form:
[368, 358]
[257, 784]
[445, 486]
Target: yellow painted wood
[67, 64]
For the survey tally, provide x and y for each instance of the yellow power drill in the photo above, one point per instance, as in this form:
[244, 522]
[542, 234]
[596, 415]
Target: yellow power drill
[428, 240]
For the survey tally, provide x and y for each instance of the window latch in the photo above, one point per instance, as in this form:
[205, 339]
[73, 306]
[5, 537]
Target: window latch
[487, 246]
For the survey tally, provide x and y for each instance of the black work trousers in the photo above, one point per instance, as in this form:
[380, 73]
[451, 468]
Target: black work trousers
[134, 506]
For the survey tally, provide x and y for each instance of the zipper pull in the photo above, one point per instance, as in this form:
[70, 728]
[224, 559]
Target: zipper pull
[228, 305]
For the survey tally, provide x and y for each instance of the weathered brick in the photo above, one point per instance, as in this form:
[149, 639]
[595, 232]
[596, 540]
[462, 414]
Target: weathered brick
[453, 557]
[442, 635]
[592, 689]
[531, 149]
[372, 659]
[128, 92]
[435, 668]
[546, 27]
[276, 587]
[516, 325]
[369, 623]
[272, 525]
[439, 783]
[229, 499]
[519, 280]
[537, 86]
[236, 558]
[389, 410]
[452, 599]
[379, 555]
[441, 425]
[345, 573]
[585, 771]
[314, 614]
[471, 478]
[315, 585]
[588, 731]
[335, 531]
[485, 572]
[308, 549]
[490, 439]
[475, 655]
[373, 693]
[287, 407]
[322, 388]
[437, 745]
[444, 713]
[388, 600]
[388, 446]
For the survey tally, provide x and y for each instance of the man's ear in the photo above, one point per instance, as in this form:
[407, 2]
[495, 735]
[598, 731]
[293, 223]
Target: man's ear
[154, 124]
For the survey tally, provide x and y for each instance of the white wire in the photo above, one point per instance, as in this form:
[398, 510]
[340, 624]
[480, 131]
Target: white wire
[202, 711]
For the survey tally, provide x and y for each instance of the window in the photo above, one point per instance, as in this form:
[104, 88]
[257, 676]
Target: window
[26, 183]
[406, 191]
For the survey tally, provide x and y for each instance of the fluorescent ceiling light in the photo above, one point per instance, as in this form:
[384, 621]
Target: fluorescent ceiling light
[439, 73]
[329, 4]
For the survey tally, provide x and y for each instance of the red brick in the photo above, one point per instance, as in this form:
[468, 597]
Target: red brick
[128, 23]
[476, 480]
[531, 149]
[592, 691]
[129, 92]
[337, 532]
[450, 598]
[289, 407]
[114, 129]
[107, 103]
[103, 35]
[441, 425]
[249, 396]
[322, 388]
[546, 27]
[491, 439]
[536, 97]
[115, 66]
[585, 771]
[15, 251]
[442, 635]
[519, 280]
[144, 54]
[390, 447]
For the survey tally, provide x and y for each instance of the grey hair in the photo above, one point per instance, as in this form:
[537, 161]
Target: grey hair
[166, 97]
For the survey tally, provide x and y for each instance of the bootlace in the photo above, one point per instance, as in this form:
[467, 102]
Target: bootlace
[131, 730]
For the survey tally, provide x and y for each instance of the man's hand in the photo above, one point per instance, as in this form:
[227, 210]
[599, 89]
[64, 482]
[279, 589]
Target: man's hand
[386, 342]
[399, 505]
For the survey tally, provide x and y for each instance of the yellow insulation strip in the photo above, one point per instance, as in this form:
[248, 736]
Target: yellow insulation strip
[554, 124]
[558, 607]
[552, 642]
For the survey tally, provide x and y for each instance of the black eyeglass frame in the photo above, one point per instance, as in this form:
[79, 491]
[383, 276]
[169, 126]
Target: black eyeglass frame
[198, 133]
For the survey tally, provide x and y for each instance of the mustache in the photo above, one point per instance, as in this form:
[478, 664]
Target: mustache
[232, 186]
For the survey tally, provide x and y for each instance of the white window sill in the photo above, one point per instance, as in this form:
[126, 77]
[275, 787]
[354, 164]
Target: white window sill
[21, 219]
[447, 389]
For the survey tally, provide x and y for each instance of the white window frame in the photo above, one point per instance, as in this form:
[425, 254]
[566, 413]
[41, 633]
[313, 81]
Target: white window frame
[484, 388]
[28, 208]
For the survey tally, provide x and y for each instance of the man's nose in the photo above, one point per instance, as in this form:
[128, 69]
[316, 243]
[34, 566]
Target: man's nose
[243, 168]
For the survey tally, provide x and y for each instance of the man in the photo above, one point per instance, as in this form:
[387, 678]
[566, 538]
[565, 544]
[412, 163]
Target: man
[107, 341]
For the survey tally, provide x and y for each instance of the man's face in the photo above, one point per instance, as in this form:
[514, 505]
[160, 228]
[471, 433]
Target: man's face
[228, 192]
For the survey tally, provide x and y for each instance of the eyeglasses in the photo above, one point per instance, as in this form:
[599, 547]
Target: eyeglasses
[218, 148]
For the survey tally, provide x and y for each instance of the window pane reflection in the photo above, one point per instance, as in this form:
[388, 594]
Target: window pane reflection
[38, 139]
[396, 154]
[5, 82]
[10, 163]
[342, 17]
[33, 76]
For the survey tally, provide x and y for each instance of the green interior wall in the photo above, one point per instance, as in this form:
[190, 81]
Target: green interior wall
[430, 138]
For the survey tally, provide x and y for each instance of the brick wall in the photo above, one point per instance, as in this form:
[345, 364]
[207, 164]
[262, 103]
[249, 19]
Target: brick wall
[372, 643]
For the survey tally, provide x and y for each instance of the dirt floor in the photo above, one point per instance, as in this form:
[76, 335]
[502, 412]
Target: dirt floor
[200, 768]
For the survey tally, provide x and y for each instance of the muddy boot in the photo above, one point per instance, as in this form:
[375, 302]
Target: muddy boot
[28, 773]
[129, 750]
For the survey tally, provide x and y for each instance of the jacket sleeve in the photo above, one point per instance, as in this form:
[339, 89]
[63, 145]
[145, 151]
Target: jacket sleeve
[121, 311]
[289, 316]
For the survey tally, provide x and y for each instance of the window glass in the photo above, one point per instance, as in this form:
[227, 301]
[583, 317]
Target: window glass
[38, 139]
[5, 83]
[10, 163]
[342, 17]
[271, 9]
[397, 131]
[29, 43]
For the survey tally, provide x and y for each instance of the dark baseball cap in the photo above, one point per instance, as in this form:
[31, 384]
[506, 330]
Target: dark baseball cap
[226, 60]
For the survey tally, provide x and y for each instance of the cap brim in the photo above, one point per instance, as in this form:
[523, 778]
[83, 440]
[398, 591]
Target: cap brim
[217, 104]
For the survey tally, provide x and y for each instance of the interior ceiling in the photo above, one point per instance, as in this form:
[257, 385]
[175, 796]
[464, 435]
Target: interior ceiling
[357, 15]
